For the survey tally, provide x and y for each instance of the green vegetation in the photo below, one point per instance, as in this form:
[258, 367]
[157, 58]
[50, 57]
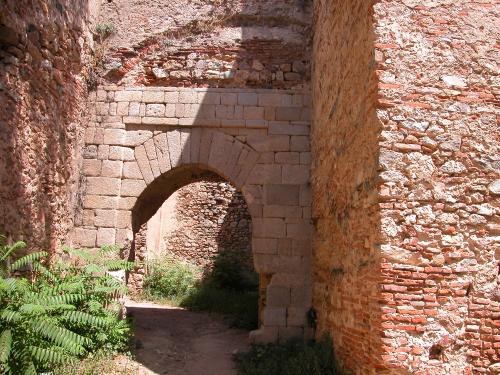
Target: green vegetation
[294, 357]
[230, 289]
[50, 316]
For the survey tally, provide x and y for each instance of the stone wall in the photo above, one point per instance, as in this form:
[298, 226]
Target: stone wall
[43, 48]
[146, 143]
[211, 217]
[406, 203]
[208, 43]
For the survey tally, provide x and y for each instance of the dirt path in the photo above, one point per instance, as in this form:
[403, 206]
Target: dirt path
[175, 341]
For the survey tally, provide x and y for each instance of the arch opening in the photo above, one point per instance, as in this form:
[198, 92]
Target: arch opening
[192, 215]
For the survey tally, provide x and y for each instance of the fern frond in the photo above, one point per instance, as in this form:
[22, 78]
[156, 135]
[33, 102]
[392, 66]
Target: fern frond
[5, 345]
[10, 316]
[93, 268]
[32, 309]
[63, 337]
[27, 259]
[49, 356]
[80, 317]
[108, 249]
[118, 265]
[8, 250]
[64, 299]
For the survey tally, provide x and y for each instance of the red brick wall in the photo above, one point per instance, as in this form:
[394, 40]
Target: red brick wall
[407, 280]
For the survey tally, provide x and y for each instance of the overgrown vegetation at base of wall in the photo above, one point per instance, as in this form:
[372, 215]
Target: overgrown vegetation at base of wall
[229, 289]
[294, 357]
[52, 316]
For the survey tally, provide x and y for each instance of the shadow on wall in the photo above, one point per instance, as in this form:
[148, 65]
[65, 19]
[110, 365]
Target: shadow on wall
[348, 266]
[41, 101]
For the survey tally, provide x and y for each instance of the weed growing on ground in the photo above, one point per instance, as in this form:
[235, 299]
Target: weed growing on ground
[229, 289]
[294, 357]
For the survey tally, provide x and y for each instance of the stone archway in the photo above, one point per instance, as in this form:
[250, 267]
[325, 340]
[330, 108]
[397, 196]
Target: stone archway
[134, 160]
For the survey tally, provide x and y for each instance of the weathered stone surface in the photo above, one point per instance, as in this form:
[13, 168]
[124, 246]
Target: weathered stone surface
[103, 186]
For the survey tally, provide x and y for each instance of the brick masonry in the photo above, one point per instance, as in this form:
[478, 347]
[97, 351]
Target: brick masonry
[405, 185]
[145, 143]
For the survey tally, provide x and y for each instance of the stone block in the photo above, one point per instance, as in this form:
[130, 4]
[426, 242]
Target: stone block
[282, 127]
[143, 162]
[100, 201]
[155, 110]
[121, 153]
[288, 114]
[188, 97]
[134, 109]
[133, 120]
[268, 228]
[297, 316]
[305, 158]
[281, 194]
[137, 137]
[277, 296]
[103, 152]
[123, 219]
[282, 211]
[131, 170]
[265, 174]
[265, 245]
[88, 218]
[270, 100]
[115, 136]
[269, 143]
[122, 109]
[295, 174]
[132, 188]
[229, 99]
[287, 158]
[299, 143]
[247, 99]
[274, 316]
[301, 231]
[171, 97]
[209, 98]
[106, 236]
[92, 167]
[102, 109]
[153, 96]
[112, 168]
[174, 147]
[105, 218]
[103, 186]
[128, 96]
[301, 247]
[170, 110]
[85, 237]
[160, 121]
[253, 113]
[305, 196]
[126, 203]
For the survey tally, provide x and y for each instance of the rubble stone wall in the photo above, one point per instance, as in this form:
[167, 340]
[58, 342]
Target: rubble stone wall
[43, 48]
[233, 43]
[406, 203]
[211, 217]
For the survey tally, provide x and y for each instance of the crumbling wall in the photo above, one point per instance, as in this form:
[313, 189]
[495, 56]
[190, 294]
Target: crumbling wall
[407, 281]
[258, 43]
[43, 47]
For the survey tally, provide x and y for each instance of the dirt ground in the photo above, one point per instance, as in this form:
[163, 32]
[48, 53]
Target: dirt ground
[175, 341]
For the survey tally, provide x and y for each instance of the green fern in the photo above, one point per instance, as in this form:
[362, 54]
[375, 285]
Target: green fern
[5, 345]
[58, 313]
